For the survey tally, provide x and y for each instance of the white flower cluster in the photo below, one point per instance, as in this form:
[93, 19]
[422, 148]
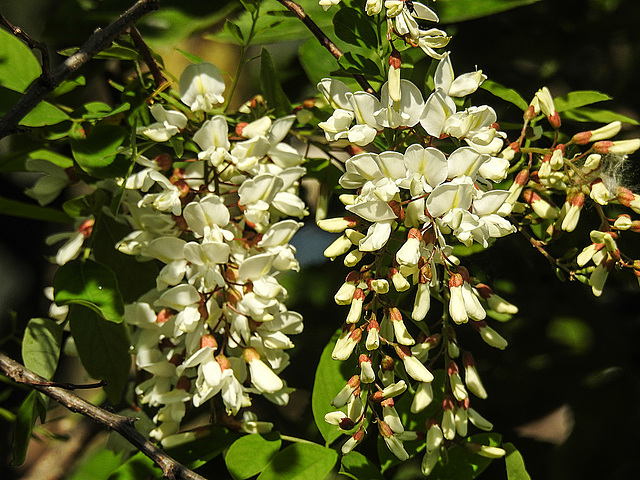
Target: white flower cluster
[216, 322]
[402, 18]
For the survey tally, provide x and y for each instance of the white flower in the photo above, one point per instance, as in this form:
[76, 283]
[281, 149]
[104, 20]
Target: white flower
[201, 87]
[168, 123]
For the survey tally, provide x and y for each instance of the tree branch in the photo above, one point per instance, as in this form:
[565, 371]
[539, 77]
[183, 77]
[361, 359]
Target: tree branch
[171, 469]
[99, 41]
[323, 39]
[146, 53]
[33, 44]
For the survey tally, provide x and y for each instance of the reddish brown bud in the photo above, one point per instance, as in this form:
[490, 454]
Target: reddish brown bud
[208, 340]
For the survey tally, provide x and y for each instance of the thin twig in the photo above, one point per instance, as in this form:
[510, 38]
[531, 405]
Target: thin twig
[145, 51]
[171, 469]
[323, 39]
[99, 41]
[33, 44]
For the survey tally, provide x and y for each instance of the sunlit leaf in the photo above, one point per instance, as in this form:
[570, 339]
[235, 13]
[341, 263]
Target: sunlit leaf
[358, 466]
[578, 99]
[300, 461]
[42, 115]
[596, 115]
[96, 153]
[452, 11]
[273, 92]
[515, 464]
[41, 346]
[18, 65]
[331, 376]
[250, 454]
[506, 94]
[92, 285]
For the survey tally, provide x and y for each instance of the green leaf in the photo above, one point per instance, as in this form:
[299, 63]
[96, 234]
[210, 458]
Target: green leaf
[137, 467]
[25, 420]
[69, 85]
[596, 115]
[103, 348]
[452, 11]
[273, 92]
[86, 205]
[506, 94]
[515, 464]
[41, 346]
[190, 56]
[97, 110]
[134, 278]
[249, 455]
[354, 27]
[288, 27]
[356, 63]
[42, 115]
[18, 65]
[360, 467]
[96, 153]
[464, 465]
[209, 443]
[578, 99]
[331, 376]
[300, 461]
[115, 51]
[92, 285]
[35, 212]
[234, 30]
[97, 466]
[316, 60]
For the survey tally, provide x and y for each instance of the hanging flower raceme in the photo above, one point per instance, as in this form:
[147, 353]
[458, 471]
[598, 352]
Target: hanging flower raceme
[215, 325]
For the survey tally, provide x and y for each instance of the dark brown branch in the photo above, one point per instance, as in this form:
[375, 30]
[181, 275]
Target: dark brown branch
[145, 51]
[66, 386]
[99, 41]
[171, 469]
[33, 44]
[323, 39]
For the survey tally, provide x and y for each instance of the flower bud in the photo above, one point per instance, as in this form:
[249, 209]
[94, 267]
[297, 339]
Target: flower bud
[340, 246]
[541, 207]
[423, 397]
[471, 377]
[479, 421]
[457, 308]
[448, 419]
[391, 417]
[373, 335]
[399, 328]
[393, 443]
[346, 392]
[367, 374]
[460, 417]
[338, 225]
[356, 306]
[350, 444]
[489, 335]
[414, 367]
[619, 147]
[400, 283]
[485, 450]
[599, 192]
[455, 382]
[602, 133]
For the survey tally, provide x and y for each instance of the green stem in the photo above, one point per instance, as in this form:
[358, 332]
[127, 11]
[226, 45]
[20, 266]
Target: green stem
[288, 438]
[243, 52]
